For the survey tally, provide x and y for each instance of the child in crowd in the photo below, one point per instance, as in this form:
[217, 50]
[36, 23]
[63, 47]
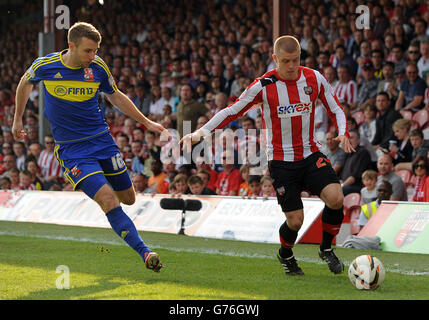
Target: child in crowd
[180, 183]
[13, 175]
[369, 180]
[25, 181]
[255, 188]
[244, 190]
[267, 187]
[196, 186]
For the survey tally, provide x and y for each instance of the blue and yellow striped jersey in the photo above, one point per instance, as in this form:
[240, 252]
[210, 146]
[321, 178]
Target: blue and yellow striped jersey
[71, 96]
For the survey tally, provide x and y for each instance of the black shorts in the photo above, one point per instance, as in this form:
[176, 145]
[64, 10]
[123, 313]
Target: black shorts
[291, 178]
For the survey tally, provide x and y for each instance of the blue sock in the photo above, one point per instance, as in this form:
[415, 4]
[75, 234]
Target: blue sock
[125, 228]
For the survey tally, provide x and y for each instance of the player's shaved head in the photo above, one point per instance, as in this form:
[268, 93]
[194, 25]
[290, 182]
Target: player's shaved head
[289, 44]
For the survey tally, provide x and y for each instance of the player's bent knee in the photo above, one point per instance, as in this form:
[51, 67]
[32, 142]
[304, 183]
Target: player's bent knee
[333, 196]
[295, 219]
[127, 197]
[106, 199]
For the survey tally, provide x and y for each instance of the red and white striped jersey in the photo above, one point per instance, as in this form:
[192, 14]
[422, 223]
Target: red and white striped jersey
[288, 108]
[346, 92]
[48, 164]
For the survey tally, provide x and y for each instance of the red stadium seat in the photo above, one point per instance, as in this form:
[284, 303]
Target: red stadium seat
[413, 181]
[359, 117]
[406, 114]
[354, 221]
[351, 201]
[405, 176]
[421, 117]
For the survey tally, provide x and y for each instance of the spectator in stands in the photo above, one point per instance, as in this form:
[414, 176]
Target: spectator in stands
[331, 75]
[423, 62]
[368, 128]
[229, 180]
[384, 121]
[196, 186]
[142, 99]
[13, 175]
[25, 181]
[413, 54]
[32, 167]
[35, 149]
[368, 88]
[188, 110]
[346, 88]
[158, 180]
[398, 58]
[122, 141]
[401, 148]
[137, 165]
[385, 169]
[140, 183]
[267, 187]
[420, 148]
[244, 189]
[207, 179]
[5, 183]
[180, 183]
[50, 169]
[334, 153]
[420, 168]
[150, 151]
[411, 91]
[388, 83]
[355, 164]
[9, 162]
[377, 57]
[384, 192]
[368, 192]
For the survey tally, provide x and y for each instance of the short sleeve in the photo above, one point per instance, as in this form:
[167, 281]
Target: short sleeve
[34, 73]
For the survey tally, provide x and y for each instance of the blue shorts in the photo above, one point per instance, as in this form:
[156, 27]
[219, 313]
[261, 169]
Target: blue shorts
[98, 161]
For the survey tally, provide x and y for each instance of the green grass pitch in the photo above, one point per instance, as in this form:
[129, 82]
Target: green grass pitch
[101, 266]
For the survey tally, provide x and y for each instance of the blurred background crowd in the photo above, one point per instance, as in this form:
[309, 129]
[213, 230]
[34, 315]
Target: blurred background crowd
[184, 60]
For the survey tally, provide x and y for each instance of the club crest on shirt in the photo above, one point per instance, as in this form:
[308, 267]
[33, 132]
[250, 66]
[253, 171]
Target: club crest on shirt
[308, 90]
[75, 172]
[88, 74]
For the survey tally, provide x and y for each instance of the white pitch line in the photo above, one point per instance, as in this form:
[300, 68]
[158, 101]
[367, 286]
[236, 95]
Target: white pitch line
[200, 250]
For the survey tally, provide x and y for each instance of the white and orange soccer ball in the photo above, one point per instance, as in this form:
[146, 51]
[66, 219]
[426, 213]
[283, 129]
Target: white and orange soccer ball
[366, 272]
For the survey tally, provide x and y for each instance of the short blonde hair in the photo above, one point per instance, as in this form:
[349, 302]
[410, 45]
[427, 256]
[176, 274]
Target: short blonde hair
[83, 30]
[401, 124]
[288, 44]
[370, 174]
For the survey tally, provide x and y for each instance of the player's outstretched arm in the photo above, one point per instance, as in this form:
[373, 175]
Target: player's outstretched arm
[22, 95]
[192, 138]
[123, 103]
[345, 143]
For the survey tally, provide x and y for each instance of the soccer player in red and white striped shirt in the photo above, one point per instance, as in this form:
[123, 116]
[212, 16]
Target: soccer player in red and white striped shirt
[288, 97]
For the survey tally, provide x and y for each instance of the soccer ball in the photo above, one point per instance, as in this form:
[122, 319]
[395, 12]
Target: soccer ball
[366, 272]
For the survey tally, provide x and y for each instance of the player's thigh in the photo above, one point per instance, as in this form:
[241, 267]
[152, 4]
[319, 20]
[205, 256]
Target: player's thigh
[319, 174]
[287, 183]
[116, 173]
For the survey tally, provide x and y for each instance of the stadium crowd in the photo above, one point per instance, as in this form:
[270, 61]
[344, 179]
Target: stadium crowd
[187, 59]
